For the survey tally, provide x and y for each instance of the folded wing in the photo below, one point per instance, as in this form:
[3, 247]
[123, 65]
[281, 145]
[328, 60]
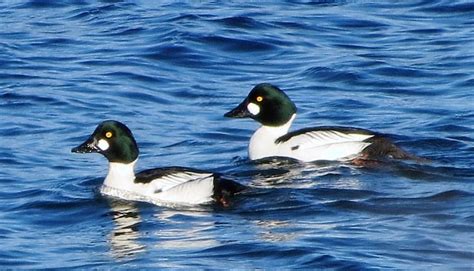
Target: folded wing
[325, 143]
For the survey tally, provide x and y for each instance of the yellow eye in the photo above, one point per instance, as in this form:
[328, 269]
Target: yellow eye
[259, 98]
[108, 134]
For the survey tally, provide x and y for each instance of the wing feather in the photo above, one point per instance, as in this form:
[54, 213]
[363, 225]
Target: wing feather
[320, 138]
[164, 179]
[324, 144]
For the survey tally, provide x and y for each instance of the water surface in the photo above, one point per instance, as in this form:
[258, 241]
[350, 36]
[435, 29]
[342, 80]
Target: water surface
[170, 70]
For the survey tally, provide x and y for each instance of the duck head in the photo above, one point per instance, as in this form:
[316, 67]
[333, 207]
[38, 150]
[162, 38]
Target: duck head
[113, 140]
[266, 104]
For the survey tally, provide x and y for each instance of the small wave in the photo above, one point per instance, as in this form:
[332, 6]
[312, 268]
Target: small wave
[238, 45]
[241, 21]
[451, 8]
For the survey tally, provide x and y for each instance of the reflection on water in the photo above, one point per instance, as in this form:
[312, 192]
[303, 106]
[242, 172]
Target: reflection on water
[275, 230]
[188, 229]
[291, 173]
[124, 238]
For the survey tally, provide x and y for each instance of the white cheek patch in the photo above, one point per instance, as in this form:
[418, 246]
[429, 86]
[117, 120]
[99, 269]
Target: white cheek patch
[103, 144]
[253, 109]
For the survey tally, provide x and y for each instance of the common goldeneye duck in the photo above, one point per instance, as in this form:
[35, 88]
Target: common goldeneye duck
[175, 185]
[274, 110]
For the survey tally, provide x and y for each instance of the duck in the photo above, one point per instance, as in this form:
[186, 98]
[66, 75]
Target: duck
[274, 110]
[166, 185]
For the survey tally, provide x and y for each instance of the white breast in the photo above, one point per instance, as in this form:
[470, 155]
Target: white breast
[262, 143]
[121, 176]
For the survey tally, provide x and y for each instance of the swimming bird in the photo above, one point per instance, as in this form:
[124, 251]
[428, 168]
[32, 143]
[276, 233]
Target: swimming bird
[274, 110]
[175, 185]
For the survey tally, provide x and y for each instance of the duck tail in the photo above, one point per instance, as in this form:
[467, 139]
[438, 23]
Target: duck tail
[224, 189]
[382, 147]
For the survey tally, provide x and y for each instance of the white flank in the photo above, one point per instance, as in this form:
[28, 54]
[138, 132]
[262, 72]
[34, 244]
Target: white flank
[324, 145]
[195, 191]
[330, 152]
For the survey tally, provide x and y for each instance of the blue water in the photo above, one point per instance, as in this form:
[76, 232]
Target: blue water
[170, 70]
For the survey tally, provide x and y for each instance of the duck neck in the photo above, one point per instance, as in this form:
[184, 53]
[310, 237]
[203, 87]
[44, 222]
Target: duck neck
[274, 132]
[121, 175]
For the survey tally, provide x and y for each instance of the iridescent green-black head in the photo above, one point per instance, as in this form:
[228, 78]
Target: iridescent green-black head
[112, 139]
[266, 104]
